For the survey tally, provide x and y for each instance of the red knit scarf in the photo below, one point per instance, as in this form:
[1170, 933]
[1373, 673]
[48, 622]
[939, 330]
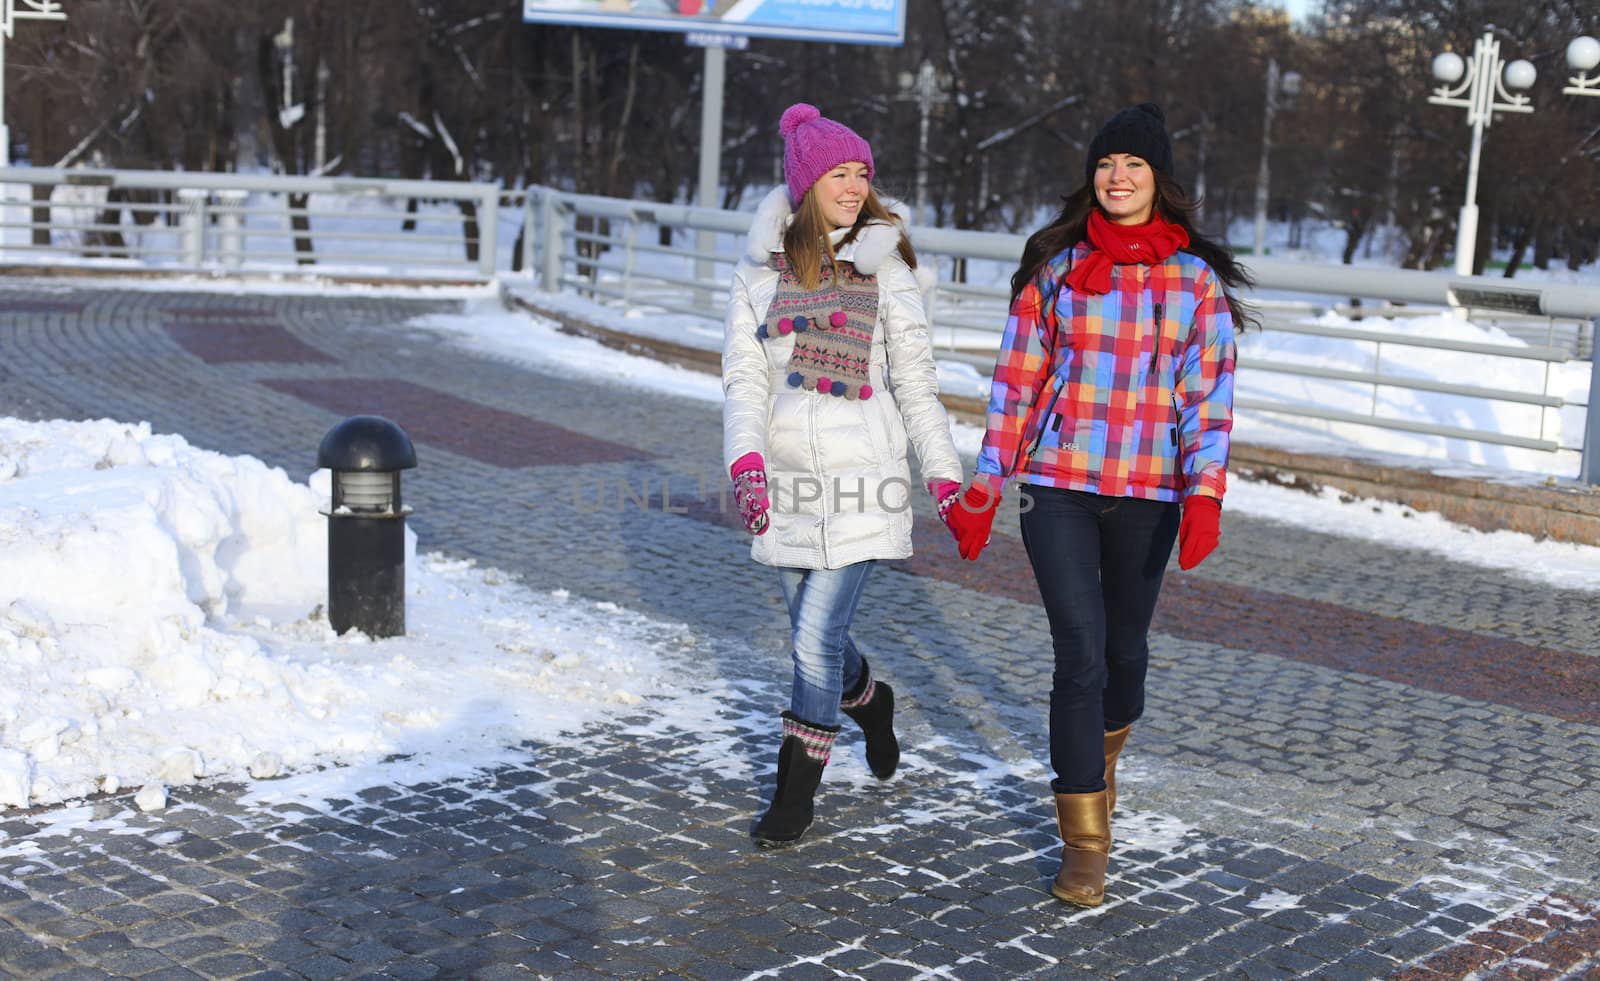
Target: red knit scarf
[1117, 245]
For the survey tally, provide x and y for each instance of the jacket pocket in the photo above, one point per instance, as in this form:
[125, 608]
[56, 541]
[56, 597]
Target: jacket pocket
[1046, 416]
[1177, 421]
[1067, 448]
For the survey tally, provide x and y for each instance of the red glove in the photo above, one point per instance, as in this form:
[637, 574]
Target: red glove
[972, 516]
[1198, 532]
[749, 474]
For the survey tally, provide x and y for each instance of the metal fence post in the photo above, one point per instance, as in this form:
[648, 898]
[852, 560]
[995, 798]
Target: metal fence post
[530, 231]
[192, 224]
[627, 260]
[1589, 469]
[489, 230]
[230, 227]
[550, 230]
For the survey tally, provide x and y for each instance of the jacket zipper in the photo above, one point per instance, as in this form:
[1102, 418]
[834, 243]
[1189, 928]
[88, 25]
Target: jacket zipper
[816, 467]
[1155, 345]
[1155, 357]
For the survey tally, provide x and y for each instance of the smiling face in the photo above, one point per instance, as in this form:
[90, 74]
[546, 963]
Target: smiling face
[841, 192]
[1125, 187]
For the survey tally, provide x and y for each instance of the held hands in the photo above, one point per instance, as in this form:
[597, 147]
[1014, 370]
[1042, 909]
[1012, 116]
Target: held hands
[971, 516]
[749, 474]
[945, 495]
[1197, 531]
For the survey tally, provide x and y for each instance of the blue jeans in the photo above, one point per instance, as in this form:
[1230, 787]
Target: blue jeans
[822, 602]
[1099, 562]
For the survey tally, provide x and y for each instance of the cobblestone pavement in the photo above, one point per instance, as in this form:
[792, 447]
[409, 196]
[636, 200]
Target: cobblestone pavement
[1358, 761]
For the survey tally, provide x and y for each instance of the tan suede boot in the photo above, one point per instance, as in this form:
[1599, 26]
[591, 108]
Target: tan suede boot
[1085, 824]
[1114, 741]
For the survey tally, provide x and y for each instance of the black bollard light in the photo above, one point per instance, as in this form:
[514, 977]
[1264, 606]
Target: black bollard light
[367, 525]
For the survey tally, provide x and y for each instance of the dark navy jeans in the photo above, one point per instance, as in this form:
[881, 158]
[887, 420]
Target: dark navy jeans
[1099, 562]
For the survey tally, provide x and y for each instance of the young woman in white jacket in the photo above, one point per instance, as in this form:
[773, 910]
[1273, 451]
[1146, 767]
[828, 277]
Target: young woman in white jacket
[828, 375]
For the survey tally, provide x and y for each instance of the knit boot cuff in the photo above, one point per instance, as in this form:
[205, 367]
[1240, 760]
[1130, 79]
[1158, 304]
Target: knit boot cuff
[867, 691]
[816, 740]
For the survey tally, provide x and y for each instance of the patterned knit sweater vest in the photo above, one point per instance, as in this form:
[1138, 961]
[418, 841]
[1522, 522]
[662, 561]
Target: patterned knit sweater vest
[833, 326]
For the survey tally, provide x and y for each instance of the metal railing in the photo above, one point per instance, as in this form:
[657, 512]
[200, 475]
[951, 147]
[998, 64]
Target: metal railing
[609, 249]
[642, 254]
[1377, 380]
[223, 223]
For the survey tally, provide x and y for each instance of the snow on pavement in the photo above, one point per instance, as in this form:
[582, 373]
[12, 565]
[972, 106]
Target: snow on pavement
[161, 620]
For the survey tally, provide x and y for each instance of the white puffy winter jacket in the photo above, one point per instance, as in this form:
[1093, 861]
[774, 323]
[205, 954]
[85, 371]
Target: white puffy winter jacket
[837, 472]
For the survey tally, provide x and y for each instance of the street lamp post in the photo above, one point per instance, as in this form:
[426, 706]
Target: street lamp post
[1290, 86]
[1583, 56]
[1482, 92]
[10, 13]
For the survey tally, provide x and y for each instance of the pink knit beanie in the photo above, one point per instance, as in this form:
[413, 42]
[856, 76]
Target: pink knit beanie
[812, 146]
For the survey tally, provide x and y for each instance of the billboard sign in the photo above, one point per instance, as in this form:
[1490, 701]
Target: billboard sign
[844, 21]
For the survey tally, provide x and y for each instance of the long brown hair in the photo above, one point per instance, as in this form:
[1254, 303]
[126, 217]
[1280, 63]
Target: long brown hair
[806, 238]
[1071, 226]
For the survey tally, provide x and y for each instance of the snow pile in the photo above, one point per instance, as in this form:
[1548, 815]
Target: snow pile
[161, 620]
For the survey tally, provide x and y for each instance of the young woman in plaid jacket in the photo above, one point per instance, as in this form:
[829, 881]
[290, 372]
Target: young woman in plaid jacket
[1112, 404]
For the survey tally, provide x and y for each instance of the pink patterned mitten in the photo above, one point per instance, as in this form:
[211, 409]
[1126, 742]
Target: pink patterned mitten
[749, 474]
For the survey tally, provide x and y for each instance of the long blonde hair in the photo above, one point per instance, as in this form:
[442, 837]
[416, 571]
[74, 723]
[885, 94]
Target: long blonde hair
[806, 238]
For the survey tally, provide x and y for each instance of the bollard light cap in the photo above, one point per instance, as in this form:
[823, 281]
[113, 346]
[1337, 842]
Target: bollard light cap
[366, 444]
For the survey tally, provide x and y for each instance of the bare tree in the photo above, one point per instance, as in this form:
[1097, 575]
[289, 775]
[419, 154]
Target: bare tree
[466, 91]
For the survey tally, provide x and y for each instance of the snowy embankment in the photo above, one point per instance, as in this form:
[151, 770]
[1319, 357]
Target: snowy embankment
[1398, 359]
[161, 620]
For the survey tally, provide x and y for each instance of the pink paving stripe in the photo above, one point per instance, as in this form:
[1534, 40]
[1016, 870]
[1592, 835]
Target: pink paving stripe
[1489, 669]
[435, 418]
[1456, 662]
[1555, 937]
[219, 313]
[40, 306]
[223, 336]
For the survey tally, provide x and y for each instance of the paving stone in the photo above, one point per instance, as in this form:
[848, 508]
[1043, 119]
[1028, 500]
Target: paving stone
[134, 962]
[79, 974]
[1291, 747]
[411, 969]
[322, 968]
[39, 963]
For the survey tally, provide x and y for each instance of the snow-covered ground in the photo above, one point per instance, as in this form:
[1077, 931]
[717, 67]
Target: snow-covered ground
[1568, 381]
[161, 620]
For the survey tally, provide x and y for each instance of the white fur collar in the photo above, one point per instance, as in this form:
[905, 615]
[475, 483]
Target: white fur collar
[867, 252]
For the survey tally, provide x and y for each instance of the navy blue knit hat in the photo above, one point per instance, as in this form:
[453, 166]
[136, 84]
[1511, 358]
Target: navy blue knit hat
[1141, 131]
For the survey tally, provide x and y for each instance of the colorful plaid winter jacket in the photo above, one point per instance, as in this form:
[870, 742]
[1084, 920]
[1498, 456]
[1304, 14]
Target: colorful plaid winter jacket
[1129, 394]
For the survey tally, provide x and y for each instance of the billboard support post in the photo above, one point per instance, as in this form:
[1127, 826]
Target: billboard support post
[710, 160]
[717, 25]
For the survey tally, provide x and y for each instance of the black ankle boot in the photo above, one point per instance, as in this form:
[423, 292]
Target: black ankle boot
[875, 716]
[799, 775]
